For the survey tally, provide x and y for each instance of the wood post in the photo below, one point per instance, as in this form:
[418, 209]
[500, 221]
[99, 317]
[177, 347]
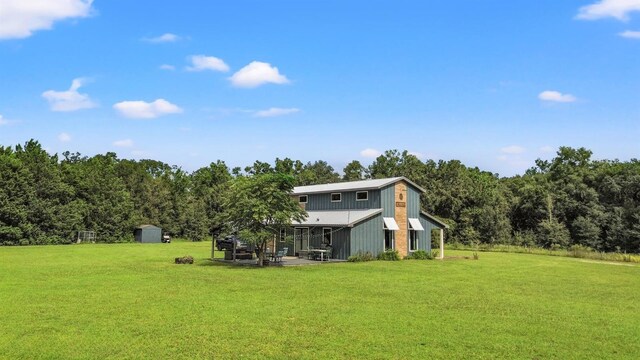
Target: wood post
[441, 255]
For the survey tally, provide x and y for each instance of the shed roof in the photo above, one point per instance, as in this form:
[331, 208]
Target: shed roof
[147, 227]
[352, 186]
[346, 218]
[434, 219]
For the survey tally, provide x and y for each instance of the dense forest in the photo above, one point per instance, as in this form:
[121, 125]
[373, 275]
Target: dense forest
[570, 200]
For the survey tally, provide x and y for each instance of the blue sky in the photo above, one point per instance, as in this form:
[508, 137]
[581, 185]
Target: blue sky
[494, 84]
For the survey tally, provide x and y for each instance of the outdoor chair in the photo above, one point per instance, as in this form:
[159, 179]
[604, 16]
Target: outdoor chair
[277, 257]
[327, 255]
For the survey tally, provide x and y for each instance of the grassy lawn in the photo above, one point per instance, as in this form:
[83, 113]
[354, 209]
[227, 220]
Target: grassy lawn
[129, 301]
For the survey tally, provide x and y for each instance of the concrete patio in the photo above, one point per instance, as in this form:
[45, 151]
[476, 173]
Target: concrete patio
[286, 261]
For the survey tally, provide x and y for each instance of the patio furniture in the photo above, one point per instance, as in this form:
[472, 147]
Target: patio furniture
[329, 253]
[319, 254]
[278, 256]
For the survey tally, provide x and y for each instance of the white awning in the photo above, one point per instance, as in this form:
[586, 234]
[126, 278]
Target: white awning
[391, 224]
[415, 224]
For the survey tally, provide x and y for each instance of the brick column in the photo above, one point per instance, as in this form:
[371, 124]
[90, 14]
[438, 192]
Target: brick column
[401, 236]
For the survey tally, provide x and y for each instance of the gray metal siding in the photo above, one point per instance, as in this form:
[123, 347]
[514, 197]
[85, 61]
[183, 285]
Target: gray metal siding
[323, 201]
[388, 200]
[368, 236]
[424, 242]
[413, 202]
[149, 235]
[340, 243]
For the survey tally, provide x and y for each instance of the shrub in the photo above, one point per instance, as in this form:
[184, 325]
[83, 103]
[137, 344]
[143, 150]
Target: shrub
[361, 256]
[184, 260]
[389, 255]
[420, 255]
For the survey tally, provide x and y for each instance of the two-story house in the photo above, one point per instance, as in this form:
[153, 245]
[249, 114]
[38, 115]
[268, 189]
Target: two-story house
[363, 216]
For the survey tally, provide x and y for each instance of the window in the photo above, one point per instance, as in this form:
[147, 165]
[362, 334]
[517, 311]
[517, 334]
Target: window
[388, 240]
[413, 240]
[283, 235]
[336, 197]
[302, 199]
[326, 236]
[362, 196]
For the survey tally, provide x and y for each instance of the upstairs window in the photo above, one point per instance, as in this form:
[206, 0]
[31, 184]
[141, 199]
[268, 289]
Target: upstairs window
[336, 197]
[302, 199]
[362, 196]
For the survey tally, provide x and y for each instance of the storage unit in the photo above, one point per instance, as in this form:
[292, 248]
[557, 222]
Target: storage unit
[148, 234]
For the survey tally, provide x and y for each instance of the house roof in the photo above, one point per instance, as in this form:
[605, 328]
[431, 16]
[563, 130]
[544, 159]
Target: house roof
[352, 186]
[347, 218]
[434, 219]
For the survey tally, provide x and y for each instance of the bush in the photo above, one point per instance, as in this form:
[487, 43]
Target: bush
[389, 255]
[184, 260]
[420, 255]
[360, 257]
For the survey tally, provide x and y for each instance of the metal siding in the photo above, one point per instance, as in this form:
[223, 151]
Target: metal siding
[323, 201]
[151, 235]
[425, 241]
[388, 201]
[339, 240]
[413, 202]
[368, 236]
[341, 244]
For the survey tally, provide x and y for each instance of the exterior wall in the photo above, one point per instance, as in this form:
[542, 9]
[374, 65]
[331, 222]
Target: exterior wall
[413, 202]
[323, 201]
[368, 236]
[148, 235]
[428, 225]
[387, 201]
[340, 243]
[401, 235]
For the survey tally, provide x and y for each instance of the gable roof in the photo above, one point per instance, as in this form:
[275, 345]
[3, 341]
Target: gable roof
[373, 184]
[347, 218]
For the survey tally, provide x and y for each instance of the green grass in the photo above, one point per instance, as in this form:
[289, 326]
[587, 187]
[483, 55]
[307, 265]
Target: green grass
[129, 301]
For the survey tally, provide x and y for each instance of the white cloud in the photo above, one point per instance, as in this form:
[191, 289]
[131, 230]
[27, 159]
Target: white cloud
[419, 155]
[202, 62]
[123, 143]
[630, 34]
[146, 110]
[618, 9]
[547, 149]
[164, 38]
[257, 73]
[70, 100]
[3, 121]
[167, 67]
[272, 112]
[20, 18]
[512, 149]
[64, 137]
[370, 153]
[556, 96]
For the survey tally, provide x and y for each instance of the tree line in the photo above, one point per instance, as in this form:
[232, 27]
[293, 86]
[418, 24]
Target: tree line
[569, 200]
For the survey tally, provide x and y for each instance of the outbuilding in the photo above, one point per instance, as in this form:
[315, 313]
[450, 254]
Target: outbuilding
[148, 234]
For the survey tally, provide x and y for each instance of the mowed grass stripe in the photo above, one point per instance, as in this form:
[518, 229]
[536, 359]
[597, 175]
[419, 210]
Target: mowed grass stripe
[131, 301]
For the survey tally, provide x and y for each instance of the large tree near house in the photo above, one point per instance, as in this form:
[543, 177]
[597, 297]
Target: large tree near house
[258, 206]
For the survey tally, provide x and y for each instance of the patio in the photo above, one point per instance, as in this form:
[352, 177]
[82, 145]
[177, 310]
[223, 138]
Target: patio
[286, 261]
